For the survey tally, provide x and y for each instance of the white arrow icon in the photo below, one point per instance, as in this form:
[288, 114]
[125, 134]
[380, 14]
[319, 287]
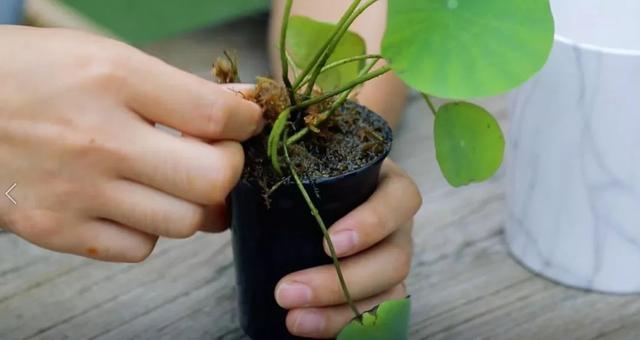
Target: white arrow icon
[7, 193]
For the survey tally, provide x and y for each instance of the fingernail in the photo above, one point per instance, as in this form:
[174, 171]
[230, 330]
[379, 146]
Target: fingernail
[309, 322]
[293, 295]
[344, 241]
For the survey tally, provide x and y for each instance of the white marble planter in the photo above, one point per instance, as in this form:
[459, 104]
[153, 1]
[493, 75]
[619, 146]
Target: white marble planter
[573, 159]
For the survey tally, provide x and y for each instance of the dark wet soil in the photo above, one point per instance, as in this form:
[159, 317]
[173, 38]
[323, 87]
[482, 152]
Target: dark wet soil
[350, 139]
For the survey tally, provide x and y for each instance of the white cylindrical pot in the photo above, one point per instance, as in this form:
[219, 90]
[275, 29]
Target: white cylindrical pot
[573, 156]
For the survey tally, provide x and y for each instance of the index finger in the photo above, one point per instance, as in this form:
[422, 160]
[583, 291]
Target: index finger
[197, 107]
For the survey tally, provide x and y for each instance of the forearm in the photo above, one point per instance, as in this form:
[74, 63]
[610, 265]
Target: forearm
[386, 94]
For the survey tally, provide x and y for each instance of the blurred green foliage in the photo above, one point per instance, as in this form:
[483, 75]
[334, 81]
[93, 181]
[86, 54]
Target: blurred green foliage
[142, 21]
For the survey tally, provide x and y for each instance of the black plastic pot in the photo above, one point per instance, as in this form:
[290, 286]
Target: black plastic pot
[271, 242]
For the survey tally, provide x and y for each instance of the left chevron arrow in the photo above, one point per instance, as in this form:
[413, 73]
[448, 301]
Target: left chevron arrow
[8, 193]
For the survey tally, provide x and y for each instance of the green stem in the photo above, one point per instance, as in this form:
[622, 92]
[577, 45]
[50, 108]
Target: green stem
[297, 136]
[344, 61]
[350, 60]
[291, 64]
[429, 102]
[337, 104]
[274, 139]
[278, 126]
[322, 49]
[346, 87]
[334, 43]
[283, 51]
[332, 250]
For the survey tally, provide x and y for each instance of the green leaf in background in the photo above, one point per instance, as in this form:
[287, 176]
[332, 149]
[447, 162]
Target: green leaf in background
[388, 321]
[469, 143]
[306, 36]
[143, 21]
[467, 48]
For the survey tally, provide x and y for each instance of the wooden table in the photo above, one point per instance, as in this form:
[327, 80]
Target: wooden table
[464, 283]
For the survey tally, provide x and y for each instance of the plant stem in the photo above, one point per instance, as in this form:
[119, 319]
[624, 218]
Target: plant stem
[283, 51]
[322, 49]
[341, 62]
[350, 60]
[334, 43]
[274, 139]
[291, 64]
[316, 215]
[346, 87]
[297, 136]
[336, 105]
[278, 126]
[429, 102]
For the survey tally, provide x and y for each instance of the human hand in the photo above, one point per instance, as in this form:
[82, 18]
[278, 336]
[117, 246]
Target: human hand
[374, 242]
[94, 177]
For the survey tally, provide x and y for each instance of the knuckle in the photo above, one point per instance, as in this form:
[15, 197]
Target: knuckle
[326, 288]
[334, 293]
[141, 253]
[236, 154]
[401, 262]
[414, 192]
[254, 119]
[106, 68]
[217, 118]
[407, 182]
[188, 225]
[374, 221]
[399, 291]
[229, 171]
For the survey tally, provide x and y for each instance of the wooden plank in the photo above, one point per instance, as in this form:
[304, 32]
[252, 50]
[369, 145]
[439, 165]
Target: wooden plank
[71, 304]
[620, 333]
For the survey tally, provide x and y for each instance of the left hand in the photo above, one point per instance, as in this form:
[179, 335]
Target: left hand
[375, 244]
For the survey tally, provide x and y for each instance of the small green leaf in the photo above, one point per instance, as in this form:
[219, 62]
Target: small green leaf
[467, 48]
[389, 320]
[306, 36]
[469, 143]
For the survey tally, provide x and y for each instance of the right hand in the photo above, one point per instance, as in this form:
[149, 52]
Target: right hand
[94, 177]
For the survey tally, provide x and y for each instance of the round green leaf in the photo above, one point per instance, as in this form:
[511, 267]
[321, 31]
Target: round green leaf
[389, 320]
[469, 143]
[467, 48]
[305, 37]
